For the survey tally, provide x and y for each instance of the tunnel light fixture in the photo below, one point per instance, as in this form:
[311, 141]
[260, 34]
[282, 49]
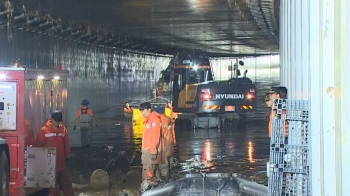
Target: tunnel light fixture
[56, 77]
[40, 77]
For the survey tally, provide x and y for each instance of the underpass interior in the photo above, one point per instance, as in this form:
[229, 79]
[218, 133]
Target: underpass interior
[115, 52]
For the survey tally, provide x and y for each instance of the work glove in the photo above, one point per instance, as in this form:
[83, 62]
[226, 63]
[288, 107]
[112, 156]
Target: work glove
[74, 128]
[153, 157]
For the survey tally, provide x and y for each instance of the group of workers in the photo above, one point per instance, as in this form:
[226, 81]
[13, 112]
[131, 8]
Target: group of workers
[158, 143]
[158, 139]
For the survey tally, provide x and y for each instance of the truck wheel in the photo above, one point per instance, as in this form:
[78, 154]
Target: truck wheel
[4, 174]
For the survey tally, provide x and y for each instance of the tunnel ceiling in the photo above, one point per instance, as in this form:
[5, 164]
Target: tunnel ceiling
[218, 27]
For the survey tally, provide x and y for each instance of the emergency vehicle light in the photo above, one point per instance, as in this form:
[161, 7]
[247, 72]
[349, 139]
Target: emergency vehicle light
[2, 76]
[250, 96]
[206, 96]
[40, 77]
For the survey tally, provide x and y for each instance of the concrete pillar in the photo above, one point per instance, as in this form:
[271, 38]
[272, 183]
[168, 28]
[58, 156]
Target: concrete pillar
[316, 33]
[282, 39]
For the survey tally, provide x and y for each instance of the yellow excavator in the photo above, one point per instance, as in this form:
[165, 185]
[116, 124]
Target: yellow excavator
[201, 101]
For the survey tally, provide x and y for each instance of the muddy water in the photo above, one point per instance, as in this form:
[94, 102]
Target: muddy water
[230, 151]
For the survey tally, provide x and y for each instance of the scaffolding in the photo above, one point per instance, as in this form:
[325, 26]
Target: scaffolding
[289, 149]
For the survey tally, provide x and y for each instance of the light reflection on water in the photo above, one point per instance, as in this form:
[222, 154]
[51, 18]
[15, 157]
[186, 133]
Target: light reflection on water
[207, 151]
[251, 152]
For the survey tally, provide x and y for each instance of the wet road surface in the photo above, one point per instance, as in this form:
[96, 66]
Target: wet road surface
[227, 151]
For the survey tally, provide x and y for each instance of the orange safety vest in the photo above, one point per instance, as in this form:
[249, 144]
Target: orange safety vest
[128, 110]
[272, 115]
[152, 134]
[58, 138]
[167, 135]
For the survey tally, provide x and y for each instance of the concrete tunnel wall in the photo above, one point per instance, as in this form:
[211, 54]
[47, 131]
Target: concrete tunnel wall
[108, 78]
[105, 77]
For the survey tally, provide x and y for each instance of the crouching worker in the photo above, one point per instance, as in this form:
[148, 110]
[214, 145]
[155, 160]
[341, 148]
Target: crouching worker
[54, 134]
[152, 152]
[168, 142]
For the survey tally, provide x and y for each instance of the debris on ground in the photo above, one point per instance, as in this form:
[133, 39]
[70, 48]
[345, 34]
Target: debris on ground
[99, 180]
[133, 180]
[197, 165]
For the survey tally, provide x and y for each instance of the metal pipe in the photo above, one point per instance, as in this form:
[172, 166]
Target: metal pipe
[5, 12]
[29, 22]
[66, 30]
[236, 68]
[23, 15]
[47, 23]
[203, 181]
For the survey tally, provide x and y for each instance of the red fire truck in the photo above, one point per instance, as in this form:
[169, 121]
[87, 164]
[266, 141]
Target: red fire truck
[27, 98]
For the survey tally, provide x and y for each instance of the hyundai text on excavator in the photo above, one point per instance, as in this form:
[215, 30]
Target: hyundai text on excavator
[27, 98]
[203, 102]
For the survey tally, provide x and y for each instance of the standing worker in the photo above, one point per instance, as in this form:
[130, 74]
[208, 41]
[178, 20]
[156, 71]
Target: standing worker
[54, 134]
[168, 141]
[85, 115]
[152, 152]
[276, 93]
[128, 111]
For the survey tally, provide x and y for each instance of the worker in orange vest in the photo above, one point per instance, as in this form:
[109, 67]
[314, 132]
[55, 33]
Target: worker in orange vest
[173, 117]
[128, 111]
[85, 116]
[168, 142]
[152, 152]
[54, 134]
[276, 93]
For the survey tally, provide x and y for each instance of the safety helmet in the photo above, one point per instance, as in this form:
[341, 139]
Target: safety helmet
[84, 102]
[274, 90]
[57, 115]
[267, 97]
[283, 89]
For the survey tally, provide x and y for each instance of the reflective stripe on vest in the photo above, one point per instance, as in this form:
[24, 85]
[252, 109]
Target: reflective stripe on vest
[166, 126]
[54, 134]
[84, 116]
